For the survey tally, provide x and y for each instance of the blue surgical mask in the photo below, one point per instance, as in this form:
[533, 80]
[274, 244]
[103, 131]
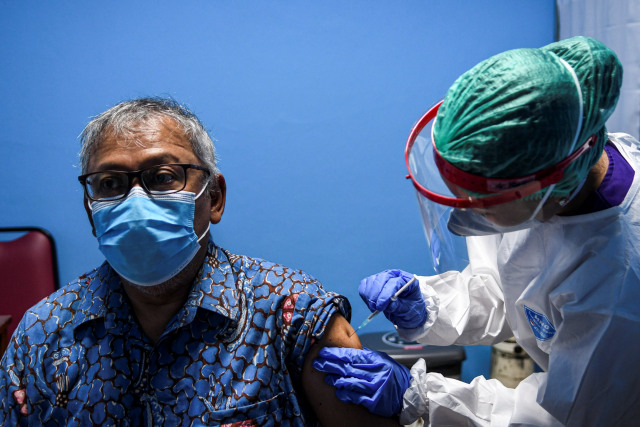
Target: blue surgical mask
[147, 238]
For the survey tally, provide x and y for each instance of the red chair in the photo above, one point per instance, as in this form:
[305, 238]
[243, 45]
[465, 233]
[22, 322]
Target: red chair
[28, 270]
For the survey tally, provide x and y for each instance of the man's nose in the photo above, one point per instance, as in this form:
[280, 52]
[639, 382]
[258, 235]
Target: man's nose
[137, 182]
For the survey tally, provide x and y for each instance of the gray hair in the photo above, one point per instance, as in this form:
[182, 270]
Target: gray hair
[126, 118]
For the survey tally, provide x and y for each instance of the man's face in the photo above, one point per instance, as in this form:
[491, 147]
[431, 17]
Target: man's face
[159, 142]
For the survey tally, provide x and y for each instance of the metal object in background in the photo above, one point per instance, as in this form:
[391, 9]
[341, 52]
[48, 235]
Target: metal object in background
[510, 363]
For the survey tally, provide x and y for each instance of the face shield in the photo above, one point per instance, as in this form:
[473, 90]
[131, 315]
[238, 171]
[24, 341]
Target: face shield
[454, 203]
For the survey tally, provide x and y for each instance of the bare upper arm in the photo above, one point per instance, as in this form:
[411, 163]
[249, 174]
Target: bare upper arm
[322, 397]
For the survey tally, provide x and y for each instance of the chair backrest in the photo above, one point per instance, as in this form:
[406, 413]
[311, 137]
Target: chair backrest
[28, 270]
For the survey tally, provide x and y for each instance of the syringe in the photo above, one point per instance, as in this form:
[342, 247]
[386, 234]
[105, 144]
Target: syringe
[375, 313]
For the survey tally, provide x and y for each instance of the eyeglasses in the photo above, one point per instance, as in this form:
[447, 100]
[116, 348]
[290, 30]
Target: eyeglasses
[115, 185]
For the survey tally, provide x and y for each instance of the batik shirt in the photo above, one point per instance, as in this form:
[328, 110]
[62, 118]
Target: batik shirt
[233, 353]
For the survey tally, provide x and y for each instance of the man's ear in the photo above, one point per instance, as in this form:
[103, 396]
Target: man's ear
[88, 210]
[218, 194]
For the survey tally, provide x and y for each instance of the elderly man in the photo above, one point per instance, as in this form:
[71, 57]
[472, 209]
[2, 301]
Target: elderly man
[171, 329]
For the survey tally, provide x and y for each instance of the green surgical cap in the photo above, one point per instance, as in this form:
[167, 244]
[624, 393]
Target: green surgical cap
[517, 112]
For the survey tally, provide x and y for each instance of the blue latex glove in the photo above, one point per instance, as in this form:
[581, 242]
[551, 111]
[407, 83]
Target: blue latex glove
[365, 377]
[408, 311]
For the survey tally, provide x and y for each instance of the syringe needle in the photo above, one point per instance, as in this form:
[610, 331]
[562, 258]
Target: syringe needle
[375, 313]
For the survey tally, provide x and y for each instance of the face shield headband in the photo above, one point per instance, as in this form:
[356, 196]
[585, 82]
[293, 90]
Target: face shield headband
[447, 216]
[496, 190]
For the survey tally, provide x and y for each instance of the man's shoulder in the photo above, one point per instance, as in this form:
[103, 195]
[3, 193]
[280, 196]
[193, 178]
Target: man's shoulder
[260, 266]
[279, 278]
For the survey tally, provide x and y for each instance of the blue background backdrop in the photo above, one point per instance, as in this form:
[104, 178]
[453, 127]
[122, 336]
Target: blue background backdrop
[310, 104]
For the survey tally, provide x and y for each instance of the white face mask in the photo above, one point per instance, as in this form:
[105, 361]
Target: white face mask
[468, 223]
[465, 222]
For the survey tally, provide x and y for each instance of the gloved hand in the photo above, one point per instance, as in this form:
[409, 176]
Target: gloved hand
[365, 377]
[408, 311]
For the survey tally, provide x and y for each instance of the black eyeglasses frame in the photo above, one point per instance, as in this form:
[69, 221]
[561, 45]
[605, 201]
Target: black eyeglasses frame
[137, 174]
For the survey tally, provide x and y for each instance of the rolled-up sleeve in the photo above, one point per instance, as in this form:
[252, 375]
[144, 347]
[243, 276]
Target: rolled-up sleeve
[310, 311]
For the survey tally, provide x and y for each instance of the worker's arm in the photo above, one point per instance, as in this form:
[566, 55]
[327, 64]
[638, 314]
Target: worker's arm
[322, 397]
[466, 307]
[443, 401]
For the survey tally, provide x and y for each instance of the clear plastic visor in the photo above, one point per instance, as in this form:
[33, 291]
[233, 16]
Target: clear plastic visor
[447, 250]
[450, 212]
[436, 179]
[442, 182]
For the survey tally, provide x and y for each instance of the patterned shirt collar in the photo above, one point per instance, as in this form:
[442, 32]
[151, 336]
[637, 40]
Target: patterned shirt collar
[215, 290]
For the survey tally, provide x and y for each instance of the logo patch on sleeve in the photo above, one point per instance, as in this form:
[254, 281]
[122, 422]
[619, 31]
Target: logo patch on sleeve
[540, 325]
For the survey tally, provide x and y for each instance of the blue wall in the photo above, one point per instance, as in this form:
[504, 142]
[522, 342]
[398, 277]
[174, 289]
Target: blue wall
[310, 104]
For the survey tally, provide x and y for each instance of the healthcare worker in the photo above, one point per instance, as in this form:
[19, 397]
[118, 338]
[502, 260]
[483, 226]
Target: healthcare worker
[548, 203]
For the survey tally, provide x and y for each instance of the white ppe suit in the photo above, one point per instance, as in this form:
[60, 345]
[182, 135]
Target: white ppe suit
[568, 290]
